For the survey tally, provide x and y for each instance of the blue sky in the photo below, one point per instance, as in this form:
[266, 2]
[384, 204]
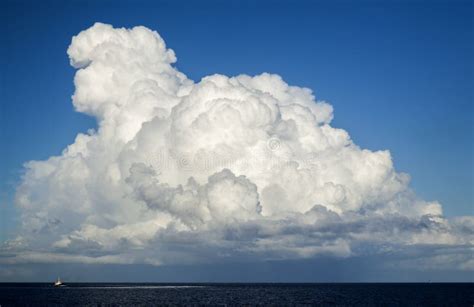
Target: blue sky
[398, 73]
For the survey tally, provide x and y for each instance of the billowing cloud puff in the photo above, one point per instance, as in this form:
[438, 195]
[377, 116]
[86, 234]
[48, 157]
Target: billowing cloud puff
[227, 168]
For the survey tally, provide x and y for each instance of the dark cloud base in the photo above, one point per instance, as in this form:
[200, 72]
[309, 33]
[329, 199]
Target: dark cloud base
[355, 269]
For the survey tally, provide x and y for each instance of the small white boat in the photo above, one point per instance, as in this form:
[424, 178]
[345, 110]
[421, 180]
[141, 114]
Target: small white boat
[58, 283]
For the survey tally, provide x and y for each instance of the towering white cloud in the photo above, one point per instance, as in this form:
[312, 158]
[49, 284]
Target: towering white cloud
[229, 167]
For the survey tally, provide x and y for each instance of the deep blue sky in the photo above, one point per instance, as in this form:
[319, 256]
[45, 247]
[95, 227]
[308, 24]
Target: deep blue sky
[399, 75]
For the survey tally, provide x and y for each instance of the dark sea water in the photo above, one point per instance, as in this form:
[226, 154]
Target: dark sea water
[94, 294]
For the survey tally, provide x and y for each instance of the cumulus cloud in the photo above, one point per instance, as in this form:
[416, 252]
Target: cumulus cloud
[226, 168]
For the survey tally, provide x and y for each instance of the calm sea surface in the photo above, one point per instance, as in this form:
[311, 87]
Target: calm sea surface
[93, 294]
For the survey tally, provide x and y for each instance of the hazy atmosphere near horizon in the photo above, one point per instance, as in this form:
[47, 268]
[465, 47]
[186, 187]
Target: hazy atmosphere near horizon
[240, 141]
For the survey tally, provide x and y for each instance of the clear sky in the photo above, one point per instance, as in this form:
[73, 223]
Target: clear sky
[399, 75]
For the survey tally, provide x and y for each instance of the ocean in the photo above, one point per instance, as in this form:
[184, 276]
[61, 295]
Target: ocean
[323, 294]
